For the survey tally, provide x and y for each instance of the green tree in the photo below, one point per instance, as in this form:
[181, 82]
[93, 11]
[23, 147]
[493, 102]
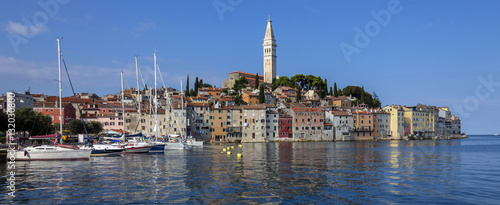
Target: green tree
[56, 127]
[363, 94]
[240, 84]
[238, 100]
[224, 91]
[331, 92]
[325, 89]
[33, 122]
[298, 97]
[262, 97]
[196, 86]
[256, 86]
[4, 121]
[285, 81]
[94, 127]
[299, 80]
[274, 84]
[376, 101]
[186, 91]
[335, 91]
[76, 127]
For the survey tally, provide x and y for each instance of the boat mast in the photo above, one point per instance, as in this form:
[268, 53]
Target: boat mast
[182, 111]
[60, 87]
[123, 106]
[156, 102]
[139, 99]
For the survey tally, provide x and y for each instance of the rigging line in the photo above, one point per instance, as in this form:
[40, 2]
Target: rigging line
[44, 129]
[74, 95]
[36, 119]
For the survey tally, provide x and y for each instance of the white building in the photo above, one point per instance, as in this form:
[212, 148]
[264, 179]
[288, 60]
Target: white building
[343, 124]
[18, 100]
[272, 131]
[254, 123]
[269, 48]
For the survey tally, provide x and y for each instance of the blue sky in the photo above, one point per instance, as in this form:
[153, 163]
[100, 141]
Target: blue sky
[430, 52]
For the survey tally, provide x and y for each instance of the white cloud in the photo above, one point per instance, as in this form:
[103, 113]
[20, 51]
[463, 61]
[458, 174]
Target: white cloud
[43, 76]
[146, 25]
[18, 28]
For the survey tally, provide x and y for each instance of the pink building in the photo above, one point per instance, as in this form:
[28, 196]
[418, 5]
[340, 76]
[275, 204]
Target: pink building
[110, 121]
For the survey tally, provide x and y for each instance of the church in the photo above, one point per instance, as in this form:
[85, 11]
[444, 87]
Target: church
[269, 62]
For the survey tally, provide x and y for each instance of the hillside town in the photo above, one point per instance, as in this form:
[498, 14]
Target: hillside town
[250, 108]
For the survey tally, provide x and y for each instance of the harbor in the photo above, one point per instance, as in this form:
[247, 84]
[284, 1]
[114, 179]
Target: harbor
[417, 171]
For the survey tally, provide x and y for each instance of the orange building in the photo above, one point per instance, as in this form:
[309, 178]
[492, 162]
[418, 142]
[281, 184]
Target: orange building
[250, 98]
[363, 125]
[218, 124]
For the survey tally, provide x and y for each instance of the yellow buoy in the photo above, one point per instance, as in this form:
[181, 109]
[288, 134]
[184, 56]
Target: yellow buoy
[224, 149]
[240, 145]
[232, 147]
[239, 155]
[228, 152]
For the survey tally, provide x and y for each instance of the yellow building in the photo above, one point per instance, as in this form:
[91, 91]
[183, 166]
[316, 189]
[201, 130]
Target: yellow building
[396, 121]
[418, 120]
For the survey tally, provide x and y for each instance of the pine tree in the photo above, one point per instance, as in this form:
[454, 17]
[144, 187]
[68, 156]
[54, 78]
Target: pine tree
[275, 84]
[362, 94]
[325, 89]
[335, 91]
[256, 86]
[196, 86]
[262, 97]
[298, 97]
[186, 92]
[331, 92]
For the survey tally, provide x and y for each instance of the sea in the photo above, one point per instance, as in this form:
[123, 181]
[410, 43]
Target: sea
[465, 171]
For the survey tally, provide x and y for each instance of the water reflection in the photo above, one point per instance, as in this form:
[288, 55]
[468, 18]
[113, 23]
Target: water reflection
[347, 172]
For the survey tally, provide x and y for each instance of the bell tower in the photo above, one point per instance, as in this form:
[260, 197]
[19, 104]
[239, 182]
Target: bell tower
[269, 47]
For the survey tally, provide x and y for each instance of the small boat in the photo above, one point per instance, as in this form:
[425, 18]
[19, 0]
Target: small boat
[50, 152]
[158, 146]
[138, 148]
[107, 149]
[191, 141]
[136, 145]
[175, 142]
[56, 151]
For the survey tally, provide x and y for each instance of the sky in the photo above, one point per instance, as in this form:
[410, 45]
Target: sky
[443, 53]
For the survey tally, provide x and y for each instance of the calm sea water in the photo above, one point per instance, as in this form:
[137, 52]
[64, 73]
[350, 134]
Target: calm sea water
[395, 172]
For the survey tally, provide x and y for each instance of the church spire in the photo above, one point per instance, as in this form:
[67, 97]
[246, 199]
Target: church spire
[269, 30]
[269, 48]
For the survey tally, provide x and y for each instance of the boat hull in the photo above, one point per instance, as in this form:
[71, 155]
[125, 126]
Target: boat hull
[194, 143]
[174, 146]
[137, 149]
[104, 149]
[22, 155]
[158, 147]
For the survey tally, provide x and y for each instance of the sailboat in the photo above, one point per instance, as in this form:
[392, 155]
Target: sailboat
[134, 144]
[177, 141]
[56, 151]
[159, 144]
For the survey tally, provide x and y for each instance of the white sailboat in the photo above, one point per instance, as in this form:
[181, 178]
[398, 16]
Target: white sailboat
[135, 144]
[159, 144]
[56, 151]
[177, 141]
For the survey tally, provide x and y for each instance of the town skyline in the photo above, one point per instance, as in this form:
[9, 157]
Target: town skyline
[307, 44]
